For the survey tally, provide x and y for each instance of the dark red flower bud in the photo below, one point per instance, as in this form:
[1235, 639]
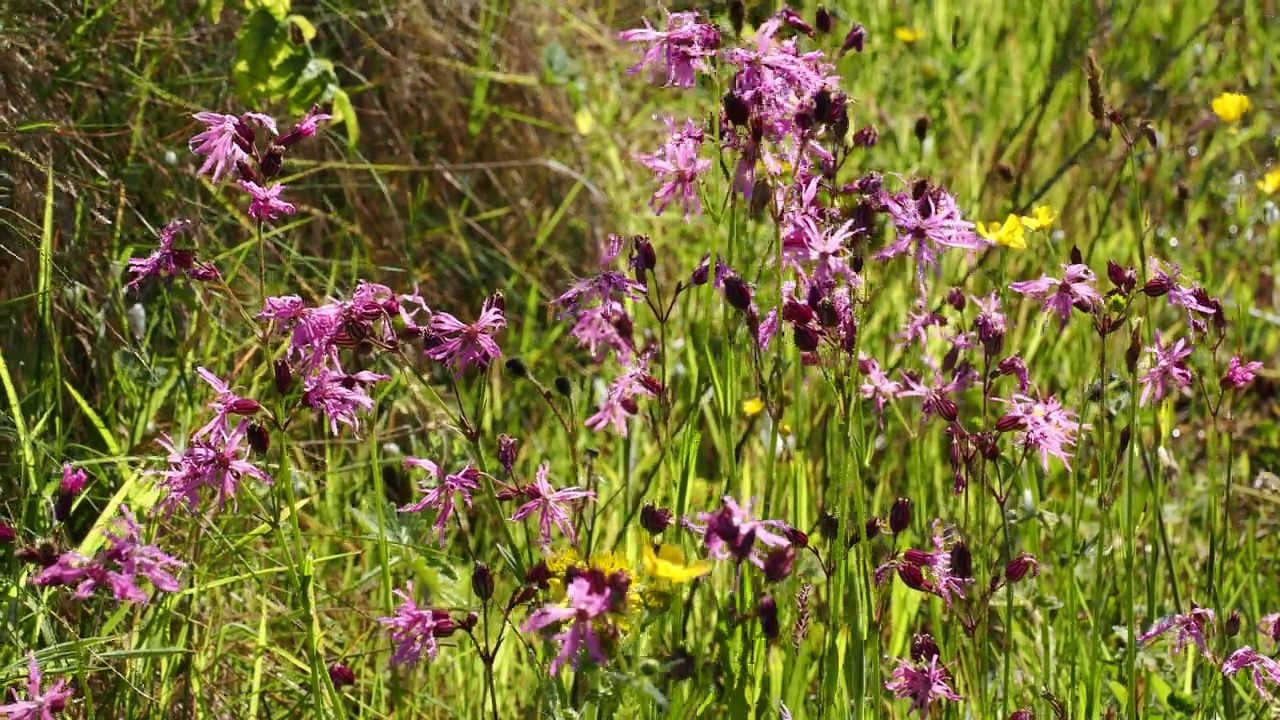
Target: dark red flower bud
[1125, 279]
[922, 127]
[917, 557]
[629, 404]
[736, 110]
[961, 561]
[900, 515]
[272, 162]
[778, 563]
[767, 613]
[62, 506]
[283, 377]
[796, 536]
[506, 451]
[244, 136]
[913, 578]
[1011, 422]
[855, 39]
[538, 574]
[1231, 627]
[806, 337]
[1019, 567]
[341, 676]
[736, 292]
[244, 406]
[7, 533]
[1134, 352]
[945, 407]
[795, 22]
[1023, 714]
[866, 137]
[651, 383]
[1125, 436]
[259, 438]
[522, 596]
[828, 525]
[655, 519]
[737, 15]
[874, 526]
[797, 314]
[468, 622]
[924, 648]
[482, 581]
[955, 298]
[1157, 286]
[822, 20]
[644, 258]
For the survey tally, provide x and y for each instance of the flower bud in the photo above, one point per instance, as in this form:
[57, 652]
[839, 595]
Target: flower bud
[874, 526]
[259, 438]
[806, 337]
[737, 15]
[1157, 287]
[736, 110]
[855, 39]
[922, 127]
[900, 515]
[1011, 422]
[1123, 445]
[644, 258]
[283, 377]
[506, 451]
[244, 406]
[272, 162]
[822, 20]
[563, 386]
[866, 137]
[468, 622]
[62, 506]
[7, 533]
[961, 561]
[1022, 714]
[924, 648]
[778, 563]
[1125, 279]
[955, 298]
[517, 368]
[538, 574]
[341, 676]
[828, 525]
[912, 577]
[1019, 567]
[736, 292]
[767, 613]
[630, 405]
[1231, 627]
[702, 273]
[1134, 352]
[482, 581]
[796, 536]
[797, 314]
[945, 407]
[795, 22]
[655, 519]
[917, 557]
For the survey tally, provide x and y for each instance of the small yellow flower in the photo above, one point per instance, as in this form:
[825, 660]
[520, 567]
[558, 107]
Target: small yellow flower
[1041, 218]
[1010, 235]
[1270, 182]
[668, 564]
[752, 407]
[1230, 107]
[908, 35]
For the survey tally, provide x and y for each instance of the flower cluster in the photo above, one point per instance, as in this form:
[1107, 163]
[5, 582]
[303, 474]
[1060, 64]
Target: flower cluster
[118, 567]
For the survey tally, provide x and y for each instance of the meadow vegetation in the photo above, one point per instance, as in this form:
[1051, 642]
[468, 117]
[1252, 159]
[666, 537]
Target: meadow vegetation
[491, 359]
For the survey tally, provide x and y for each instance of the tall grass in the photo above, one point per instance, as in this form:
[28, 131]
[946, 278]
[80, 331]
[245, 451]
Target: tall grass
[1161, 507]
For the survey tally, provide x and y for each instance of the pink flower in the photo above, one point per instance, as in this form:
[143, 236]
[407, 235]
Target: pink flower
[677, 53]
[1264, 668]
[584, 605]
[931, 570]
[924, 683]
[726, 529]
[73, 479]
[619, 402]
[1075, 289]
[305, 129]
[40, 704]
[266, 203]
[226, 404]
[551, 505]
[116, 567]
[990, 322]
[877, 386]
[677, 166]
[440, 497]
[464, 346]
[1239, 374]
[415, 629]
[1190, 627]
[1046, 426]
[1168, 371]
[918, 323]
[340, 397]
[167, 262]
[937, 397]
[217, 463]
[221, 143]
[601, 328]
[927, 226]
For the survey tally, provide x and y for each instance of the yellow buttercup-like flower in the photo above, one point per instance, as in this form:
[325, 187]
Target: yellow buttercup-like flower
[1011, 234]
[1041, 218]
[908, 35]
[668, 564]
[1230, 107]
[1270, 182]
[752, 407]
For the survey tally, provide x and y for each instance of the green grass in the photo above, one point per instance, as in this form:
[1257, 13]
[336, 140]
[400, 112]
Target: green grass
[498, 163]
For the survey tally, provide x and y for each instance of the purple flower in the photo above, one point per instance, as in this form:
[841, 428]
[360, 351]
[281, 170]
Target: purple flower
[167, 262]
[1075, 289]
[619, 402]
[73, 479]
[1014, 365]
[583, 605]
[876, 384]
[1168, 371]
[317, 333]
[677, 53]
[227, 403]
[222, 143]
[306, 128]
[217, 463]
[918, 323]
[924, 683]
[40, 704]
[266, 203]
[1239, 374]
[601, 328]
[1046, 426]
[1165, 281]
[415, 629]
[723, 530]
[341, 397]
[1264, 668]
[1190, 627]
[440, 497]
[990, 321]
[462, 345]
[677, 166]
[926, 226]
[116, 567]
[937, 398]
[551, 505]
[931, 569]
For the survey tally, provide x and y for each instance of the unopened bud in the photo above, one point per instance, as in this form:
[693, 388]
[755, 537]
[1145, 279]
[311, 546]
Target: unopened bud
[822, 20]
[645, 258]
[272, 162]
[796, 536]
[1011, 422]
[946, 408]
[259, 438]
[702, 273]
[874, 526]
[855, 40]
[955, 298]
[283, 377]
[630, 405]
[341, 676]
[506, 451]
[961, 561]
[828, 525]
[924, 648]
[865, 137]
[922, 127]
[736, 110]
[1019, 567]
[1134, 352]
[563, 386]
[778, 563]
[737, 15]
[482, 581]
[655, 519]
[1125, 279]
[806, 337]
[1231, 627]
[912, 577]
[1156, 287]
[900, 515]
[244, 406]
[767, 613]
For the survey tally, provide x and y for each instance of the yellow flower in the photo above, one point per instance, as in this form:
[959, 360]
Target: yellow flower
[1041, 218]
[1230, 107]
[1010, 235]
[668, 564]
[752, 407]
[908, 35]
[1270, 182]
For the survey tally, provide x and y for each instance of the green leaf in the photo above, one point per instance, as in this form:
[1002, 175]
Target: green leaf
[344, 112]
[278, 9]
[213, 10]
[304, 26]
